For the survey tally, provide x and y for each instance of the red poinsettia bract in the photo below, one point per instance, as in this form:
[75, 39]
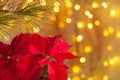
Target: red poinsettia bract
[28, 54]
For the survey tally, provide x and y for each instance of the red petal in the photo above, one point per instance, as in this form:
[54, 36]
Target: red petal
[57, 71]
[60, 48]
[20, 45]
[62, 57]
[38, 42]
[52, 40]
[32, 74]
[3, 49]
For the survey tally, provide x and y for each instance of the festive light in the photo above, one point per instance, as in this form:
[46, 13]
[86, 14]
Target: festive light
[90, 78]
[95, 5]
[111, 29]
[118, 34]
[80, 24]
[82, 76]
[61, 25]
[77, 7]
[76, 69]
[88, 49]
[90, 25]
[97, 22]
[69, 78]
[68, 20]
[105, 63]
[115, 59]
[56, 3]
[104, 4]
[112, 12]
[68, 4]
[82, 59]
[56, 9]
[53, 18]
[111, 61]
[79, 38]
[105, 77]
[109, 47]
[105, 33]
[90, 16]
[76, 78]
[87, 13]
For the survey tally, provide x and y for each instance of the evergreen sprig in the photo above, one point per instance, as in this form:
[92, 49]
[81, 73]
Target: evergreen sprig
[30, 13]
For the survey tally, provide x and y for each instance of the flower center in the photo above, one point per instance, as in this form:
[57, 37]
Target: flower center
[8, 57]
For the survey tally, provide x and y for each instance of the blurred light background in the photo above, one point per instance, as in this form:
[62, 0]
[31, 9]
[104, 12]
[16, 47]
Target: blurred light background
[92, 27]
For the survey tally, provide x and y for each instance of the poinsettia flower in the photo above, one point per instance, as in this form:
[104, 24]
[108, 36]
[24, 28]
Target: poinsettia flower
[17, 60]
[57, 71]
[58, 49]
[57, 53]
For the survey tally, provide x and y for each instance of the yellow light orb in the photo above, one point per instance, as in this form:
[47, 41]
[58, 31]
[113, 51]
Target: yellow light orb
[109, 47]
[111, 61]
[77, 7]
[105, 77]
[53, 18]
[82, 76]
[87, 13]
[88, 49]
[104, 4]
[115, 59]
[82, 59]
[118, 34]
[97, 22]
[68, 78]
[105, 63]
[80, 24]
[90, 78]
[90, 16]
[56, 9]
[112, 12]
[68, 4]
[90, 25]
[68, 20]
[106, 33]
[79, 38]
[76, 69]
[61, 25]
[95, 5]
[111, 29]
[76, 78]
[56, 3]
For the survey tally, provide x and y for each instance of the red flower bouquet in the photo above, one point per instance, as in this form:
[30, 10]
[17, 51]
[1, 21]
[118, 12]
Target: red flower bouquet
[33, 57]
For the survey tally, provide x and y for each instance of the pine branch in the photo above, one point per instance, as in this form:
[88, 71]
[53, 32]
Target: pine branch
[31, 14]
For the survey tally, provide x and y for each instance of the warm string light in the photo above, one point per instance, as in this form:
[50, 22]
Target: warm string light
[104, 4]
[95, 5]
[77, 7]
[76, 69]
[90, 25]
